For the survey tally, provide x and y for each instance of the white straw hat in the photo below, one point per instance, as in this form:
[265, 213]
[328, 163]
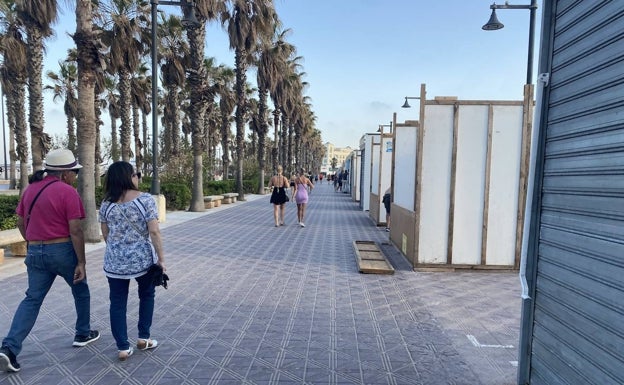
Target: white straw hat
[61, 160]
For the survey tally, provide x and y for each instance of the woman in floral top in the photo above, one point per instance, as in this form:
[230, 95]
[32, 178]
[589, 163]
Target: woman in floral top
[129, 222]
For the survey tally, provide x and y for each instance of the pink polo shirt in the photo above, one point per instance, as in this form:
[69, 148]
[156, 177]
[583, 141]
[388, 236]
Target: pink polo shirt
[56, 206]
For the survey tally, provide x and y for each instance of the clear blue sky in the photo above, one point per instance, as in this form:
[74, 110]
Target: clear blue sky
[362, 57]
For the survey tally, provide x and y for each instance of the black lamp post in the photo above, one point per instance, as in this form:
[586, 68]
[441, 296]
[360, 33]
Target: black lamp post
[189, 20]
[493, 24]
[406, 104]
[381, 126]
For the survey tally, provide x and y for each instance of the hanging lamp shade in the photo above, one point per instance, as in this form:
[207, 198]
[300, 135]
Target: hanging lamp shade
[493, 24]
[406, 104]
[189, 19]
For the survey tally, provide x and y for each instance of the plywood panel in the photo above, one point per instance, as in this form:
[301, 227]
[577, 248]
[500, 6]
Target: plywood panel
[470, 183]
[405, 166]
[435, 186]
[504, 185]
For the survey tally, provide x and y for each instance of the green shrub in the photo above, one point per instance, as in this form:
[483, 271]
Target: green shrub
[177, 195]
[218, 187]
[8, 218]
[99, 195]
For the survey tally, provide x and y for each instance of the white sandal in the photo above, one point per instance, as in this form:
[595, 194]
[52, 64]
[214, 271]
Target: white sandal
[124, 354]
[144, 344]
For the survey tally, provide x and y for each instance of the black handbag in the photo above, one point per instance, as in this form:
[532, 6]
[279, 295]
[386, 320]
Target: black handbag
[159, 277]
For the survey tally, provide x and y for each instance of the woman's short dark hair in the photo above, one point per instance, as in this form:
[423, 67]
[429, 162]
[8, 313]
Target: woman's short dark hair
[118, 180]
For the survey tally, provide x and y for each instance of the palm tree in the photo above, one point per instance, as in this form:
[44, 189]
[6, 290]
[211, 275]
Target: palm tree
[211, 114]
[89, 60]
[14, 78]
[205, 10]
[141, 88]
[64, 87]
[224, 86]
[124, 32]
[173, 50]
[37, 16]
[249, 22]
[111, 100]
[271, 61]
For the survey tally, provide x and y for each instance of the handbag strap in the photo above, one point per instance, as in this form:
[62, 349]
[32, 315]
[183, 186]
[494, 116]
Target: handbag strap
[32, 204]
[141, 210]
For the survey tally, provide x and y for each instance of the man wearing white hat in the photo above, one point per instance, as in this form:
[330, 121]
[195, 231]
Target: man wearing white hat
[49, 218]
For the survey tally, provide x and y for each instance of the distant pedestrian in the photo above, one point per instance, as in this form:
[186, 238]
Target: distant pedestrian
[129, 222]
[301, 195]
[279, 183]
[387, 199]
[49, 219]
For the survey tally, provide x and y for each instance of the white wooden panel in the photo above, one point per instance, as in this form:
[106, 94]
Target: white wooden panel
[374, 184]
[504, 185]
[357, 168]
[385, 174]
[366, 144]
[470, 183]
[405, 166]
[435, 189]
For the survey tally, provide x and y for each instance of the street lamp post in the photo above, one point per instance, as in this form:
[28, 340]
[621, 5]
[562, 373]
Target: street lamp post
[406, 104]
[381, 126]
[186, 21]
[493, 24]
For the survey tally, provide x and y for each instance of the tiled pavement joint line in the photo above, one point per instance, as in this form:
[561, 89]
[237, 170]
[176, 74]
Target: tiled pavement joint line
[289, 327]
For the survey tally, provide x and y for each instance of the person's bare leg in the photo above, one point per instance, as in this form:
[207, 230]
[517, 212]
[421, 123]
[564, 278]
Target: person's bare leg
[275, 213]
[303, 208]
[282, 210]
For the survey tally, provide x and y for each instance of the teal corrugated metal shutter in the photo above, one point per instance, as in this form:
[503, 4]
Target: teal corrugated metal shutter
[578, 315]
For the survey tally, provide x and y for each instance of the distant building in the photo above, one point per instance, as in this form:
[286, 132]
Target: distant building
[331, 151]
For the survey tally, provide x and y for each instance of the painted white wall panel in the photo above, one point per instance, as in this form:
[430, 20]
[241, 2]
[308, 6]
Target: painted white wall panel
[374, 184]
[504, 185]
[366, 146]
[470, 177]
[405, 166]
[385, 177]
[435, 189]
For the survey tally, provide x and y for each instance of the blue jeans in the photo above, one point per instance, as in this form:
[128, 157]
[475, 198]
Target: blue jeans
[119, 304]
[44, 263]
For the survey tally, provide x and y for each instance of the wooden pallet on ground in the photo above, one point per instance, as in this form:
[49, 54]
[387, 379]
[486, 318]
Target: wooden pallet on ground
[370, 259]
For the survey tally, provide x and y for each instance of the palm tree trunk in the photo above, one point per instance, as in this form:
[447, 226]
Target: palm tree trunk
[12, 155]
[98, 149]
[87, 61]
[21, 135]
[276, 120]
[241, 79]
[126, 120]
[262, 133]
[35, 97]
[284, 142]
[145, 144]
[115, 154]
[137, 139]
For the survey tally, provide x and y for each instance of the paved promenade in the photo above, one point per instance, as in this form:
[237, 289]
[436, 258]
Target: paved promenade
[249, 303]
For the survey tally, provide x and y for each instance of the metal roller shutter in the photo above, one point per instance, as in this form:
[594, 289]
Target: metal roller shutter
[576, 333]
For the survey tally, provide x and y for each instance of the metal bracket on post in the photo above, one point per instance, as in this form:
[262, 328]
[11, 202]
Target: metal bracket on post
[544, 78]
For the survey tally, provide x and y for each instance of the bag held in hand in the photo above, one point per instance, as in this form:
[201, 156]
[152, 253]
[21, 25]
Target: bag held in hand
[159, 277]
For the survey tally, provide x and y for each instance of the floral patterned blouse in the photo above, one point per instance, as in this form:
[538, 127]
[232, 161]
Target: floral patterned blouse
[129, 251]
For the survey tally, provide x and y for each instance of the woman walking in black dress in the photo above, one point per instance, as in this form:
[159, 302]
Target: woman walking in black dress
[279, 183]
